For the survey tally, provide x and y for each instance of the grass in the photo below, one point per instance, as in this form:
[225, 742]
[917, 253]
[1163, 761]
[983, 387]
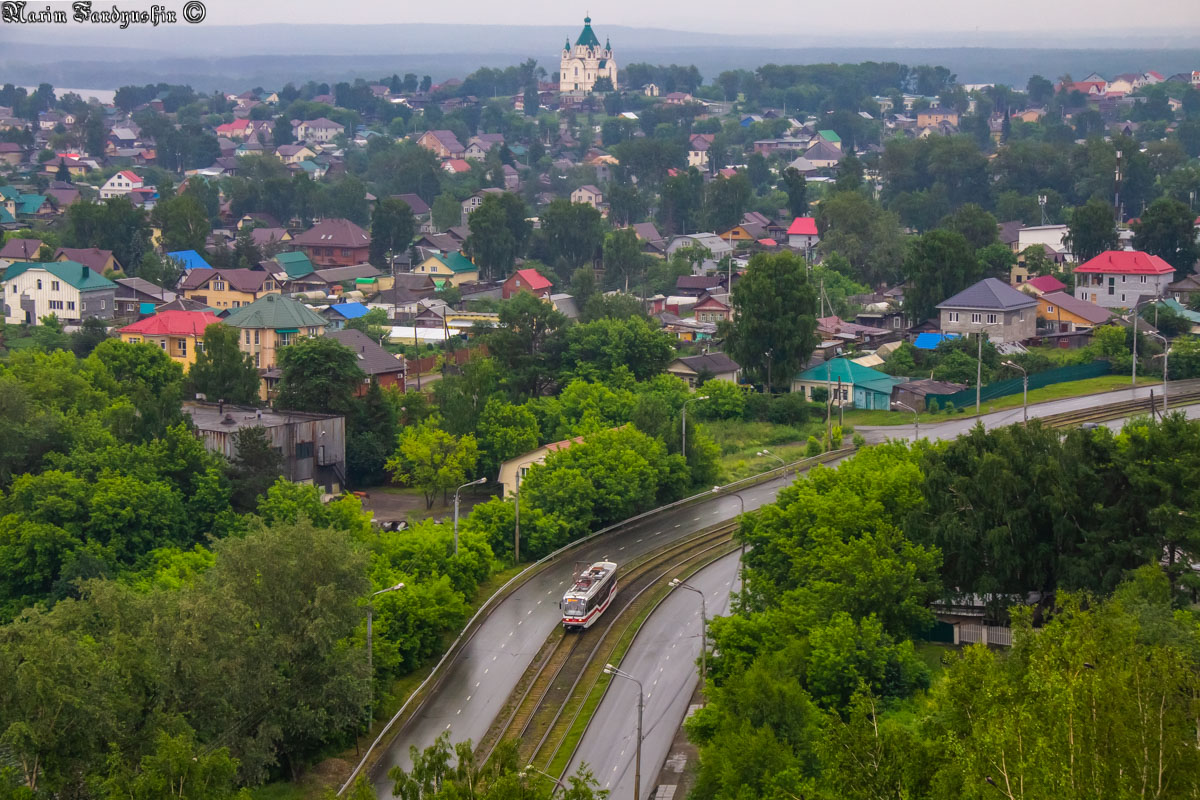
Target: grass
[933, 653]
[740, 440]
[1057, 391]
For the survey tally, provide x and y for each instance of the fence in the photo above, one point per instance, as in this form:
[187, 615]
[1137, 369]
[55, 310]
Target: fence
[1075, 372]
[458, 358]
[972, 632]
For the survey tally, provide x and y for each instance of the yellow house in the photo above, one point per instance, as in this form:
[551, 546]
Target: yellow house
[516, 468]
[453, 267]
[227, 288]
[273, 322]
[179, 333]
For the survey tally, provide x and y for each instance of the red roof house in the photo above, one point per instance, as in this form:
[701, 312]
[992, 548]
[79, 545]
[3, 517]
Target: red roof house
[173, 323]
[1119, 278]
[1045, 283]
[526, 280]
[803, 232]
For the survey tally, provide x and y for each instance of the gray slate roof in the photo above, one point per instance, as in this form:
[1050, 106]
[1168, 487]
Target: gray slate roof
[716, 363]
[372, 359]
[989, 294]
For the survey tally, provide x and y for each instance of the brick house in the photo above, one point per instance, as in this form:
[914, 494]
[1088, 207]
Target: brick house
[526, 280]
[443, 144]
[992, 307]
[334, 243]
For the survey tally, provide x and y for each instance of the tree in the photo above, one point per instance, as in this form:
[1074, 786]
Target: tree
[725, 201]
[183, 221]
[857, 228]
[1166, 230]
[505, 431]
[392, 229]
[524, 343]
[146, 375]
[622, 257]
[499, 232]
[572, 234]
[977, 226]
[446, 211]
[432, 460]
[796, 185]
[774, 327]
[1091, 230]
[1040, 90]
[939, 264]
[221, 370]
[319, 374]
[256, 465]
[116, 225]
[597, 350]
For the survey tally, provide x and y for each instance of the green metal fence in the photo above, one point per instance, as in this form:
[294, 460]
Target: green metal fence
[1075, 372]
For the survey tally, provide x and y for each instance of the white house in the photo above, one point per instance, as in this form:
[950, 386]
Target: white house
[120, 185]
[802, 234]
[67, 289]
[319, 130]
[1119, 278]
[588, 195]
[1053, 236]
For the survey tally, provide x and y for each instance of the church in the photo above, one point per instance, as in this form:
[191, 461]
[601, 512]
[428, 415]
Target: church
[585, 63]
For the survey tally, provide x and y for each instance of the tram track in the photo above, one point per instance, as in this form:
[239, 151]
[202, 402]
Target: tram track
[1185, 394]
[546, 702]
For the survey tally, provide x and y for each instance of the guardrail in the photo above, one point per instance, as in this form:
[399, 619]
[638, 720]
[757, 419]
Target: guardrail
[420, 694]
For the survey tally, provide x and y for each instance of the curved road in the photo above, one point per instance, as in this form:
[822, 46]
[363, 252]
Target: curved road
[479, 681]
[663, 657]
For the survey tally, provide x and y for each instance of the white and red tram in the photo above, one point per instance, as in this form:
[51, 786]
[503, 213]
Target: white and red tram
[591, 594]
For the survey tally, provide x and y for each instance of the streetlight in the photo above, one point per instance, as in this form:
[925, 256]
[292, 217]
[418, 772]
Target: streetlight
[678, 584]
[1165, 353]
[765, 452]
[979, 364]
[456, 491]
[683, 426]
[742, 557]
[1024, 391]
[916, 417]
[531, 768]
[370, 659]
[609, 669]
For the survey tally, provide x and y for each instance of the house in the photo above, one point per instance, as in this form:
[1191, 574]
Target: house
[1053, 236]
[456, 166]
[409, 287]
[11, 153]
[476, 200]
[272, 322]
[294, 153]
[915, 394]
[238, 129]
[313, 446]
[381, 366]
[698, 146]
[365, 277]
[514, 470]
[695, 370]
[713, 308]
[1064, 313]
[94, 258]
[180, 334]
[526, 280]
[932, 117]
[17, 250]
[848, 384]
[698, 285]
[138, 297]
[479, 146]
[269, 238]
[120, 184]
[588, 195]
[453, 267]
[1182, 289]
[68, 290]
[334, 243]
[993, 307]
[1121, 278]
[650, 237]
[420, 210]
[717, 249]
[834, 328]
[74, 166]
[1042, 284]
[320, 130]
[823, 155]
[1030, 115]
[443, 144]
[227, 288]
[289, 266]
[188, 260]
[802, 234]
[339, 314]
[831, 137]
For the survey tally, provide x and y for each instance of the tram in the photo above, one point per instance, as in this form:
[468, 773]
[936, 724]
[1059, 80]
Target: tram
[590, 595]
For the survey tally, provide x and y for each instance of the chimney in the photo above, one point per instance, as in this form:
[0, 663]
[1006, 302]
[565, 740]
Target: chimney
[220, 407]
[84, 272]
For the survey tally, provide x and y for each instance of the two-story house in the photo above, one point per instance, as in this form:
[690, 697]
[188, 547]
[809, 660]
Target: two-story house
[993, 307]
[334, 243]
[273, 322]
[320, 130]
[68, 290]
[526, 280]
[698, 147]
[479, 146]
[227, 288]
[293, 153]
[476, 200]
[588, 195]
[1120, 278]
[443, 144]
[180, 334]
[802, 234]
[120, 184]
[454, 268]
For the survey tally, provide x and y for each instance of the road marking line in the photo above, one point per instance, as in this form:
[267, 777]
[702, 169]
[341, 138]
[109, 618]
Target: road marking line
[469, 697]
[530, 611]
[458, 712]
[539, 602]
[695, 519]
[639, 541]
[476, 684]
[485, 672]
[619, 549]
[676, 524]
[493, 658]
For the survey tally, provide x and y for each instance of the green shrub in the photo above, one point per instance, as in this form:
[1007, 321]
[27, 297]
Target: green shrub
[813, 448]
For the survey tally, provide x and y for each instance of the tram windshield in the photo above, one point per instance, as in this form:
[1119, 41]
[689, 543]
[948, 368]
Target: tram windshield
[575, 608]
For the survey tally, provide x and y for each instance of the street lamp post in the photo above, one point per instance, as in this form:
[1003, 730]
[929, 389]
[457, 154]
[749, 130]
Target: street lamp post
[916, 418]
[683, 425]
[609, 669]
[979, 365]
[1024, 391]
[370, 658]
[1165, 353]
[742, 557]
[678, 584]
[456, 491]
[557, 783]
[765, 452]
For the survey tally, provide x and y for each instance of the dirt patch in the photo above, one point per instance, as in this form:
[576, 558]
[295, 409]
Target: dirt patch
[402, 505]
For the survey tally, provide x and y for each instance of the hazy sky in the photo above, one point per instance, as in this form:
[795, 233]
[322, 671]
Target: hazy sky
[765, 16]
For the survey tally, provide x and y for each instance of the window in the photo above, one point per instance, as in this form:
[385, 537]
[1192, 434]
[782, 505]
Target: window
[304, 450]
[199, 346]
[218, 286]
[1142, 278]
[39, 283]
[976, 317]
[991, 319]
[55, 287]
[312, 331]
[247, 336]
[1049, 309]
[952, 316]
[256, 364]
[255, 336]
[282, 339]
[102, 305]
[56, 305]
[70, 305]
[345, 251]
[895, 322]
[183, 347]
[1122, 297]
[135, 340]
[162, 343]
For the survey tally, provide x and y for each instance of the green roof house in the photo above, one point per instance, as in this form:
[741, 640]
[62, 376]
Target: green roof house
[453, 267]
[272, 322]
[296, 264]
[860, 387]
[66, 289]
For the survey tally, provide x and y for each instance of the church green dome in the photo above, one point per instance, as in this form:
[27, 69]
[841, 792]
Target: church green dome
[586, 37]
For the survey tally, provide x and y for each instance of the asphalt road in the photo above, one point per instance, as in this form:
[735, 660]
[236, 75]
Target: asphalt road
[663, 657]
[479, 681]
[952, 428]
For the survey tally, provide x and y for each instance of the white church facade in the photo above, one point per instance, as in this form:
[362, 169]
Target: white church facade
[585, 63]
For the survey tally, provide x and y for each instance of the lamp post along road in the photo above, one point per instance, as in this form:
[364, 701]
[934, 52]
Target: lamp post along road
[1024, 391]
[742, 557]
[456, 491]
[637, 763]
[916, 418]
[683, 425]
[772, 455]
[678, 584]
[370, 657]
[1166, 351]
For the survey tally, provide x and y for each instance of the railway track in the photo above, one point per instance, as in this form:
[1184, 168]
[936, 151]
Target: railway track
[1185, 394]
[545, 703]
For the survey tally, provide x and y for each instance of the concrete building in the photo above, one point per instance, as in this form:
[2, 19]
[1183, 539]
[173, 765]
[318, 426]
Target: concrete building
[68, 290]
[992, 307]
[313, 446]
[585, 63]
[1119, 278]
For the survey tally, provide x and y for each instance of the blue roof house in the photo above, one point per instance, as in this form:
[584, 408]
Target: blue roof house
[339, 314]
[189, 260]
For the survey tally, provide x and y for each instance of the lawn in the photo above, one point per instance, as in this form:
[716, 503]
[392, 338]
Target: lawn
[740, 440]
[1057, 391]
